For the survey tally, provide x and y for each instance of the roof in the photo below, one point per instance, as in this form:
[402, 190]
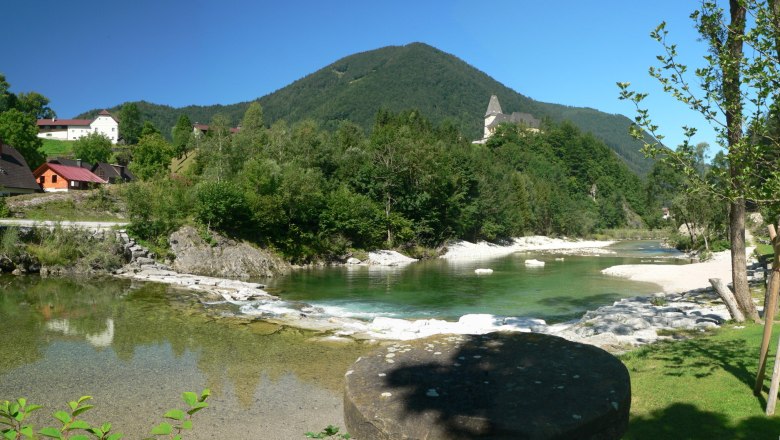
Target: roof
[516, 118]
[55, 121]
[71, 163]
[113, 173]
[204, 128]
[494, 108]
[14, 172]
[46, 122]
[70, 173]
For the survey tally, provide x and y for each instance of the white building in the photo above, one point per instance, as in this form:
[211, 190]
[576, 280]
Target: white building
[72, 129]
[495, 116]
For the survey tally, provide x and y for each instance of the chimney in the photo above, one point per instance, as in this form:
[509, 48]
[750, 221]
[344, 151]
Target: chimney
[78, 163]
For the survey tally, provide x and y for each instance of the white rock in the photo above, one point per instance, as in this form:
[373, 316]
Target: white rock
[483, 271]
[534, 263]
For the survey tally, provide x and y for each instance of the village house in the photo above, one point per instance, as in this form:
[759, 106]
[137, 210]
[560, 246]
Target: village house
[495, 116]
[73, 129]
[201, 129]
[54, 177]
[15, 175]
[112, 173]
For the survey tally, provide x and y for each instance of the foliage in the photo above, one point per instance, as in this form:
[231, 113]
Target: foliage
[14, 414]
[220, 205]
[10, 243]
[92, 148]
[19, 130]
[181, 136]
[130, 123]
[439, 85]
[4, 210]
[151, 157]
[158, 207]
[35, 105]
[74, 248]
[329, 431]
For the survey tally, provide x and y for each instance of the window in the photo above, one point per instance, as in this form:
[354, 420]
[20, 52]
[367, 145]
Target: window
[53, 178]
[41, 180]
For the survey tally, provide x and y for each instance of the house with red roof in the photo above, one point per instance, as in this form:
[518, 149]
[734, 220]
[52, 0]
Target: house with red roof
[53, 177]
[72, 129]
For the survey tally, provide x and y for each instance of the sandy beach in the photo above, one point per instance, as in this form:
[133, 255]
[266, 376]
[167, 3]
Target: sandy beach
[678, 278]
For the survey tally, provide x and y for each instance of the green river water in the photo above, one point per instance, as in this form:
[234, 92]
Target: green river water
[135, 347]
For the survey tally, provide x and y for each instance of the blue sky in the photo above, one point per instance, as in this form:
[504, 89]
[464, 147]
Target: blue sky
[95, 54]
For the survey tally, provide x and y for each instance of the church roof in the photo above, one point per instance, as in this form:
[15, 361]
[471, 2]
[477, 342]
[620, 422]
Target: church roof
[516, 118]
[494, 108]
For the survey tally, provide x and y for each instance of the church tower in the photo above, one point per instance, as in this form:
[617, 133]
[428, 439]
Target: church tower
[493, 110]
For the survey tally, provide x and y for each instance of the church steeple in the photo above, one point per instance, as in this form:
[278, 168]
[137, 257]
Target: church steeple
[494, 108]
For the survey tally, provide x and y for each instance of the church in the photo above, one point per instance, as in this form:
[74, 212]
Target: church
[495, 116]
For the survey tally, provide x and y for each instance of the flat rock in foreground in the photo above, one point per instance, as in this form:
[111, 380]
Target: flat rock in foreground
[497, 386]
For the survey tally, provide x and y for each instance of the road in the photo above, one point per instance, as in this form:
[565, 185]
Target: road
[94, 226]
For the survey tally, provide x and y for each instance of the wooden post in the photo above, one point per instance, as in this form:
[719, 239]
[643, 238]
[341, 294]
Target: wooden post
[771, 401]
[770, 305]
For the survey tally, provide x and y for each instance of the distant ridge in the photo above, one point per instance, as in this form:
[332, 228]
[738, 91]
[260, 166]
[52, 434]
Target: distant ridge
[441, 86]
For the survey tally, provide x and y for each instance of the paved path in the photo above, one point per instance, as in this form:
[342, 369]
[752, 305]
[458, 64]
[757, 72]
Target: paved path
[63, 224]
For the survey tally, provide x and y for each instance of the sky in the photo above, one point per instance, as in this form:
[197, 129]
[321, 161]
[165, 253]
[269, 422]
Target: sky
[89, 54]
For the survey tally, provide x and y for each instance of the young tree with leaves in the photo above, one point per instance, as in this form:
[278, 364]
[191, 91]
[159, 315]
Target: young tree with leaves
[181, 134]
[130, 123]
[92, 148]
[737, 91]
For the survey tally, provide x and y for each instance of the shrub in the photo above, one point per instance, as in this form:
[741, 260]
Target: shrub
[221, 205]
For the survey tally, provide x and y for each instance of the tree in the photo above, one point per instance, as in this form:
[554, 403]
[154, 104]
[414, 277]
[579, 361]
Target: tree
[737, 92]
[130, 123]
[151, 157]
[7, 99]
[92, 148]
[181, 135]
[20, 131]
[149, 128]
[35, 104]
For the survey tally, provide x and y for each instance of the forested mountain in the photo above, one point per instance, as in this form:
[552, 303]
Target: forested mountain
[439, 85]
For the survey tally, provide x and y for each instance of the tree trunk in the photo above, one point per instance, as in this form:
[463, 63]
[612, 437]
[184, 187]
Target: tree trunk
[739, 260]
[728, 298]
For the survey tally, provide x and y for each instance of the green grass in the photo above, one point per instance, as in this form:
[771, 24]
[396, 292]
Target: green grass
[701, 388]
[54, 148]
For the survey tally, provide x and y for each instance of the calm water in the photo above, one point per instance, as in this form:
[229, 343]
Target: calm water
[136, 347]
[440, 289]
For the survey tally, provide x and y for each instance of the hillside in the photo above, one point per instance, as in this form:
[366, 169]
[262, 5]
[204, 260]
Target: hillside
[440, 85]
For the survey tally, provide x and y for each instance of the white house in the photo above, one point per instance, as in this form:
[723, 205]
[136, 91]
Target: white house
[72, 129]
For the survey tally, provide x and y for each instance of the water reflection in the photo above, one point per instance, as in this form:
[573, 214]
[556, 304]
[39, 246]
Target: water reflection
[111, 329]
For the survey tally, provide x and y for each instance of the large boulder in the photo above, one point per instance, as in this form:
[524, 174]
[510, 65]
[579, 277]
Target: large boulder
[222, 257]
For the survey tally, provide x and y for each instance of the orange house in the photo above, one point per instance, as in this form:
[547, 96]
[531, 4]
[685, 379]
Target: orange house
[54, 177]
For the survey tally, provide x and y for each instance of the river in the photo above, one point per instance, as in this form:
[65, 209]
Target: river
[135, 347]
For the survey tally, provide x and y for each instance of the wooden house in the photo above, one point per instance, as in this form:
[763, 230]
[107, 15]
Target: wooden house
[56, 177]
[15, 175]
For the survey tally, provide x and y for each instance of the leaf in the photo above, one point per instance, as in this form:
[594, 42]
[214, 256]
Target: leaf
[78, 424]
[205, 394]
[33, 407]
[22, 401]
[116, 436]
[73, 405]
[175, 414]
[189, 398]
[83, 398]
[10, 435]
[197, 407]
[82, 409]
[63, 417]
[27, 431]
[50, 432]
[162, 429]
[187, 424]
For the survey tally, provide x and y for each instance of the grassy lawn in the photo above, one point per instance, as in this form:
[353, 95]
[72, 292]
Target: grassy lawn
[54, 148]
[701, 388]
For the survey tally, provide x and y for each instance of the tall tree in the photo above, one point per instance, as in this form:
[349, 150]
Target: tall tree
[151, 157]
[35, 104]
[736, 93]
[130, 123]
[181, 135]
[20, 131]
[93, 148]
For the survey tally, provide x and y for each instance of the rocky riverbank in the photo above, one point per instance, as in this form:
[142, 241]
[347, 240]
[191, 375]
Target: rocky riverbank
[626, 323]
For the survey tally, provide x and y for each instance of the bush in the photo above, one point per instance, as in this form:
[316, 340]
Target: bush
[4, 210]
[221, 205]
